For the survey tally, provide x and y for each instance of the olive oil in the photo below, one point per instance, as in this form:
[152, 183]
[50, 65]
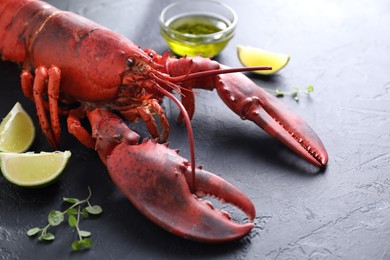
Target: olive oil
[196, 34]
[198, 24]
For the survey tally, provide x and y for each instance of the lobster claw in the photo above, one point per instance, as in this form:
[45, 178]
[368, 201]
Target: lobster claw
[157, 180]
[251, 102]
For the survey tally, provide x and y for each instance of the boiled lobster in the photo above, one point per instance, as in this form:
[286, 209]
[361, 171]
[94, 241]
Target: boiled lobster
[73, 66]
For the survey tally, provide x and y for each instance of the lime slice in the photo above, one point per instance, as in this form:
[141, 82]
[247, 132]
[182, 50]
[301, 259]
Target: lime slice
[33, 169]
[250, 56]
[17, 131]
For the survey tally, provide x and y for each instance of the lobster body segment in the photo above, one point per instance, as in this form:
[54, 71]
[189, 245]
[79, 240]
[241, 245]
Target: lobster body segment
[75, 67]
[82, 40]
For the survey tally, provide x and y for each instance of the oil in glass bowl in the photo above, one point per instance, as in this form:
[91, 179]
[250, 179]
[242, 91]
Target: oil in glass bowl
[198, 24]
[197, 34]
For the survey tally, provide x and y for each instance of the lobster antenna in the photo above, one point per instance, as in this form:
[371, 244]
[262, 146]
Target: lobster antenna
[190, 133]
[207, 73]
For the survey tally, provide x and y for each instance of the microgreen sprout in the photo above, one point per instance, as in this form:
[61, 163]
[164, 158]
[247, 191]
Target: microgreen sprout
[295, 92]
[77, 209]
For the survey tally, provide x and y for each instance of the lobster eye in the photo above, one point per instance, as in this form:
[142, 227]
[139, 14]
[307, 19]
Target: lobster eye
[151, 55]
[129, 62]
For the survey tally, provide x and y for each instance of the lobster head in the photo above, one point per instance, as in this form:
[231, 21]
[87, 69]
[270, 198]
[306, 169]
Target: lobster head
[108, 66]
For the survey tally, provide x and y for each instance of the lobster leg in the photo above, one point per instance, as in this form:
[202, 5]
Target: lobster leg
[188, 100]
[76, 129]
[146, 113]
[46, 82]
[157, 181]
[53, 94]
[147, 110]
[27, 81]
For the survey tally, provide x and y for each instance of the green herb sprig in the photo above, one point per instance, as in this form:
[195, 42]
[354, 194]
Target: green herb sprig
[73, 213]
[295, 92]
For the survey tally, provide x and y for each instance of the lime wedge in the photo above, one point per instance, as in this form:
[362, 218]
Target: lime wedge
[33, 169]
[250, 56]
[17, 131]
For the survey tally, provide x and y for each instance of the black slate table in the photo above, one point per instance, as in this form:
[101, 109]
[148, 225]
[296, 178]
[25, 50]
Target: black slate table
[340, 47]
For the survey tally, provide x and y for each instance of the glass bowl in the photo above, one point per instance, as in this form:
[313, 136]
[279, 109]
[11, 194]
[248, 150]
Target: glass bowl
[202, 27]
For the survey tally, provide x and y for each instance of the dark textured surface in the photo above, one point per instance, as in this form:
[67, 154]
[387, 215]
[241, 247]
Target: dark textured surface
[341, 47]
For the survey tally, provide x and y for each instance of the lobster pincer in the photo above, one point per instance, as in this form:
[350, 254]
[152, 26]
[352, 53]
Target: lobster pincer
[158, 183]
[251, 102]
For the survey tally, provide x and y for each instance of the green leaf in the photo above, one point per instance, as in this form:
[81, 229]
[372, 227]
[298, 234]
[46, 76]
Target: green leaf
[309, 89]
[84, 213]
[71, 211]
[47, 237]
[72, 221]
[33, 231]
[87, 242]
[78, 245]
[84, 233]
[55, 217]
[279, 93]
[94, 210]
[71, 200]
